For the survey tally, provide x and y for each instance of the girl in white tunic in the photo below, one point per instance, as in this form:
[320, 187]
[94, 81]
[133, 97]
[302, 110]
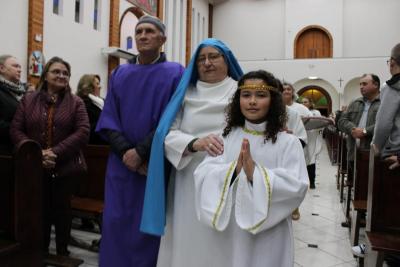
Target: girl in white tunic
[247, 194]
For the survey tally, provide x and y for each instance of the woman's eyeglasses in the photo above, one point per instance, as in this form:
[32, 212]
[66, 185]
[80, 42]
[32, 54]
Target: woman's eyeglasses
[212, 58]
[61, 73]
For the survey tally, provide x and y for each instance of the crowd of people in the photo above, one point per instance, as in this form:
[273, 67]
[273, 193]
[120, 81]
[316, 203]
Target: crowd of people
[208, 165]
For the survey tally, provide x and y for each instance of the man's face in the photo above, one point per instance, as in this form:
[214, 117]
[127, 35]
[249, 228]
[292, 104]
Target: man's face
[211, 65]
[367, 86]
[11, 70]
[148, 38]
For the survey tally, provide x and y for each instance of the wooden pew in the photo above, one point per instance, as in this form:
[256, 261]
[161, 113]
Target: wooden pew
[88, 203]
[332, 139]
[342, 171]
[360, 191]
[383, 218]
[21, 207]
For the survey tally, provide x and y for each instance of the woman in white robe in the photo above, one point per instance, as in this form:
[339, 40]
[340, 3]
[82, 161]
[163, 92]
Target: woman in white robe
[247, 194]
[314, 145]
[187, 242]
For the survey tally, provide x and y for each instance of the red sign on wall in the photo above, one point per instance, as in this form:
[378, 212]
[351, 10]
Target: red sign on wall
[148, 6]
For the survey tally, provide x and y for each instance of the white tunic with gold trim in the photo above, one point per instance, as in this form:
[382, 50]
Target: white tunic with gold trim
[187, 242]
[252, 221]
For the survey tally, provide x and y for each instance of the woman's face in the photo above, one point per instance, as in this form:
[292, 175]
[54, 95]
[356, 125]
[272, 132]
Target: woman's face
[306, 102]
[211, 65]
[97, 87]
[57, 77]
[287, 94]
[255, 103]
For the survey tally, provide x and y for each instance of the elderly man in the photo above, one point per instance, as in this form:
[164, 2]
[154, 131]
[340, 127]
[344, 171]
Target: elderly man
[137, 96]
[11, 91]
[387, 130]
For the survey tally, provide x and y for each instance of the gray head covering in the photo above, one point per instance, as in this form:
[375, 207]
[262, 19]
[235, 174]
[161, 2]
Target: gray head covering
[152, 20]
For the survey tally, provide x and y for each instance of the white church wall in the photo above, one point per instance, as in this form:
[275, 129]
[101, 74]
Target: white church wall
[128, 30]
[14, 29]
[78, 43]
[351, 90]
[175, 23]
[254, 30]
[371, 27]
[325, 13]
[199, 22]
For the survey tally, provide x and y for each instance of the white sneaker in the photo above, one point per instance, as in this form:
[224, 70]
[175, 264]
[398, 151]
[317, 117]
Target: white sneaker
[359, 250]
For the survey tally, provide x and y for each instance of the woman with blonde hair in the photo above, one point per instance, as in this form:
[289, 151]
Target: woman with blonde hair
[89, 91]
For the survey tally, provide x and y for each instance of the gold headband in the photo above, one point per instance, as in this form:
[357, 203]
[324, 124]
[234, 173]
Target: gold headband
[256, 87]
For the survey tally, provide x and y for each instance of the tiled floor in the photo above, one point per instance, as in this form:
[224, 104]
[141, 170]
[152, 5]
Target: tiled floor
[321, 215]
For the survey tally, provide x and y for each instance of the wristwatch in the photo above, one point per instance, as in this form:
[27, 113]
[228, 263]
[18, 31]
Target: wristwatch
[364, 131]
[190, 146]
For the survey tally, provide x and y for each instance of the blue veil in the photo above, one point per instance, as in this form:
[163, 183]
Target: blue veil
[153, 215]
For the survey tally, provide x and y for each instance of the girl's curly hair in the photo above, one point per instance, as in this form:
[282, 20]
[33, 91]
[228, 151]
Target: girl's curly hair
[276, 115]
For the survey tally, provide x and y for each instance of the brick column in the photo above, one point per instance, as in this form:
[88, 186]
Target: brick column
[35, 28]
[113, 62]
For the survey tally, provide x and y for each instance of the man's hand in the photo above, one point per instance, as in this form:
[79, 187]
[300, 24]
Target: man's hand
[212, 144]
[132, 160]
[48, 159]
[357, 133]
[393, 161]
[143, 169]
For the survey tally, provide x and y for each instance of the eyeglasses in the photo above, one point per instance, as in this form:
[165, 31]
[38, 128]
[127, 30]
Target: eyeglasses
[389, 60]
[212, 58]
[61, 73]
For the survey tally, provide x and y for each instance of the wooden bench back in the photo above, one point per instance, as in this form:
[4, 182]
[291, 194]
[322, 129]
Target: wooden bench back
[343, 152]
[383, 197]
[361, 168]
[6, 196]
[21, 206]
[92, 186]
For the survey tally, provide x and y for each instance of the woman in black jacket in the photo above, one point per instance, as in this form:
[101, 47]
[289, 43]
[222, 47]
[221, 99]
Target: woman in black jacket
[89, 91]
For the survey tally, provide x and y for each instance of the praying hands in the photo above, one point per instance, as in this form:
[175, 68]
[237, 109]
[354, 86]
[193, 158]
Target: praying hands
[245, 161]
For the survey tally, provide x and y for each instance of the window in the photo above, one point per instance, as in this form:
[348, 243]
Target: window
[96, 15]
[129, 43]
[57, 7]
[78, 11]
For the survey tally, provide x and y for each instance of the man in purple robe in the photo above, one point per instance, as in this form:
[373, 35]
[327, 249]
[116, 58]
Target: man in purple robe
[137, 96]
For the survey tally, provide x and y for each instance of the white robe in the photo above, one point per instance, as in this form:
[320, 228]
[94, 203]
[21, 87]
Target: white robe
[187, 242]
[301, 109]
[254, 221]
[295, 124]
[314, 144]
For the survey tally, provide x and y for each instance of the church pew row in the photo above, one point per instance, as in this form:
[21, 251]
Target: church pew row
[332, 139]
[88, 202]
[360, 191]
[383, 218]
[21, 206]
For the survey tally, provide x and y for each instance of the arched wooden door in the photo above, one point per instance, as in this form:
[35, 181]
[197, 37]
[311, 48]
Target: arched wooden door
[313, 42]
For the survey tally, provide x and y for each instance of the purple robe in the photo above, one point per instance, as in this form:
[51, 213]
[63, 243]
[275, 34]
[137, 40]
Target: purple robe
[136, 98]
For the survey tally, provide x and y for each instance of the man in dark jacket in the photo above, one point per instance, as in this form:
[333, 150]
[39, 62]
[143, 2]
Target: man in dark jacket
[387, 132]
[358, 121]
[11, 91]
